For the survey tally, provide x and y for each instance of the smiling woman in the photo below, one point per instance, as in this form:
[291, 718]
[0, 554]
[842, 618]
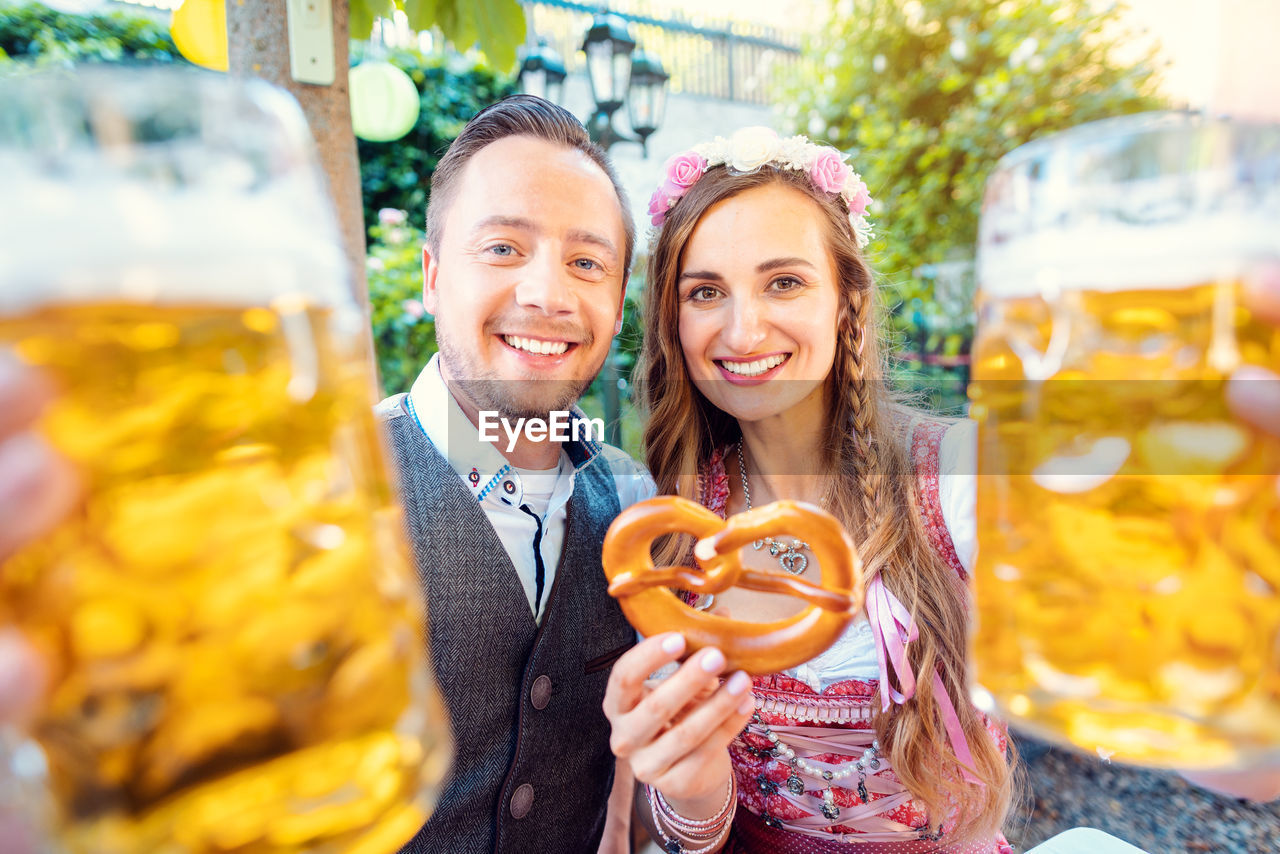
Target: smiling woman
[762, 377]
[759, 302]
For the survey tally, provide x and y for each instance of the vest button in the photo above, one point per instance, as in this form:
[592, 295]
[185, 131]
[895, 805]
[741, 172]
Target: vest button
[521, 801]
[540, 694]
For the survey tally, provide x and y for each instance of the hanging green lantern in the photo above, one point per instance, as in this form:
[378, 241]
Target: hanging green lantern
[384, 102]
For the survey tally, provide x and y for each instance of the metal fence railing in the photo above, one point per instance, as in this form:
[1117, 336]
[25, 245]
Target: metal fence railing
[731, 60]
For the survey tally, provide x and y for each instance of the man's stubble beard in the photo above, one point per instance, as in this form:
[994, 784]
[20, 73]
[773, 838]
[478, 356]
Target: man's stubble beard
[489, 393]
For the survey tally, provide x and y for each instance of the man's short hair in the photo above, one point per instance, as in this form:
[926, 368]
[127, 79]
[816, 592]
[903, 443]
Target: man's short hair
[518, 115]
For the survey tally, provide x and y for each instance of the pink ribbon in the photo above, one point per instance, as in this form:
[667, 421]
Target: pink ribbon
[894, 628]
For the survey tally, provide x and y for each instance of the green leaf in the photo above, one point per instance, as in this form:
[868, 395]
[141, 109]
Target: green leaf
[423, 14]
[501, 28]
[496, 26]
[362, 15]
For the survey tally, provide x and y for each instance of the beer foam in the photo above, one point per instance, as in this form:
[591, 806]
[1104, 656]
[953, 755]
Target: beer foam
[99, 238]
[1114, 256]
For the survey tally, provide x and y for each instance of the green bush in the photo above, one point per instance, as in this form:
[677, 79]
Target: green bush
[404, 336]
[33, 33]
[928, 94]
[452, 88]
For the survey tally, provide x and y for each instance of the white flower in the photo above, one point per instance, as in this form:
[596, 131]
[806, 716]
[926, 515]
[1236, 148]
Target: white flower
[751, 148]
[714, 152]
[796, 152]
[861, 230]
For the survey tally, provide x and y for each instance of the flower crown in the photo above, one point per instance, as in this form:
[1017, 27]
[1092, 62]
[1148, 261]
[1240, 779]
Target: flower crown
[753, 147]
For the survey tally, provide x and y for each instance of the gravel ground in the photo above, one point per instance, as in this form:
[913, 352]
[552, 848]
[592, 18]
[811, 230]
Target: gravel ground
[1156, 811]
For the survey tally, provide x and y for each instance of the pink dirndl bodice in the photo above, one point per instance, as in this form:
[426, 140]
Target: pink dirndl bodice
[829, 730]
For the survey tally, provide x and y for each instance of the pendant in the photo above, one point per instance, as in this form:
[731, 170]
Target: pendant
[830, 811]
[790, 559]
[862, 791]
[795, 785]
[789, 556]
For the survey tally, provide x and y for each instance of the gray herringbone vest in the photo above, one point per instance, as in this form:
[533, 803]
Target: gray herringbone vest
[532, 766]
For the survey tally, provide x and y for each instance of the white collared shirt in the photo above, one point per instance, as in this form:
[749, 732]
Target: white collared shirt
[500, 489]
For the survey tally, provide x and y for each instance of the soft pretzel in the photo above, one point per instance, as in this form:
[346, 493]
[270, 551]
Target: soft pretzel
[652, 608]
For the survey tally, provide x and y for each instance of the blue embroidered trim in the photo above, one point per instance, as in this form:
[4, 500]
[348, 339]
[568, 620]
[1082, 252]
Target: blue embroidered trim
[488, 487]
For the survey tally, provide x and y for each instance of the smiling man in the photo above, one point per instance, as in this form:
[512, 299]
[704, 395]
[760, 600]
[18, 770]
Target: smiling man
[529, 243]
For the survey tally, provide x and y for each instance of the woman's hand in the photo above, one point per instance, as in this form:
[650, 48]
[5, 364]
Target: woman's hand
[675, 733]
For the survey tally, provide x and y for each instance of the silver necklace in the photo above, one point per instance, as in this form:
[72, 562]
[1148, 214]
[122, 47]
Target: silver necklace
[790, 556]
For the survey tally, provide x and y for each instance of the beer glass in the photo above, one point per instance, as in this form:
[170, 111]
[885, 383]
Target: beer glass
[1128, 561]
[235, 640]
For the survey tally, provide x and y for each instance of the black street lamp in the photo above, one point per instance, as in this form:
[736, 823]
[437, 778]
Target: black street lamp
[647, 99]
[542, 72]
[618, 73]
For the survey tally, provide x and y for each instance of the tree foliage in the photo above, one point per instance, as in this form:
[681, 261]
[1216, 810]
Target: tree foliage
[404, 336]
[497, 26]
[452, 89]
[36, 34]
[928, 94]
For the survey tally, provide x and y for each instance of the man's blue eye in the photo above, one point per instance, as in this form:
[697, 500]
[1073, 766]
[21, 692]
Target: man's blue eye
[586, 264]
[501, 249]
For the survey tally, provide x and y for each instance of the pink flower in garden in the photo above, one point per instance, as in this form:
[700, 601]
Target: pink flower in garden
[684, 170]
[414, 308]
[392, 216]
[829, 171]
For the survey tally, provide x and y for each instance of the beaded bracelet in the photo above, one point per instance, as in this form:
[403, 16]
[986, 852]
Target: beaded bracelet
[704, 826]
[711, 830]
[676, 846]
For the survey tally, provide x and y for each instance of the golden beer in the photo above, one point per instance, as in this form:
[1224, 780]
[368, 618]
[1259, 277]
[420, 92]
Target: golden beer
[1128, 567]
[234, 635]
[232, 630]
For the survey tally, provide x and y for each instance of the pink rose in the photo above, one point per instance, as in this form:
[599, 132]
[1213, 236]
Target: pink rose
[829, 171]
[684, 170]
[859, 198]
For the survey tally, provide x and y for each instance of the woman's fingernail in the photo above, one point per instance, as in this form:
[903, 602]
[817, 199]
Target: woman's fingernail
[713, 660]
[738, 683]
[673, 644]
[748, 703]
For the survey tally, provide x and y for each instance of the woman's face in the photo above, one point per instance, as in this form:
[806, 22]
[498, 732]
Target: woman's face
[759, 303]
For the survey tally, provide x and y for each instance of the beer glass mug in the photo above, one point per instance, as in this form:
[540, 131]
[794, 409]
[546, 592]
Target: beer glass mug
[1128, 569]
[234, 636]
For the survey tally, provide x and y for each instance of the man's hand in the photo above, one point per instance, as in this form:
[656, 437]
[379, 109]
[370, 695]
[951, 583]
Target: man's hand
[1254, 396]
[37, 488]
[1254, 393]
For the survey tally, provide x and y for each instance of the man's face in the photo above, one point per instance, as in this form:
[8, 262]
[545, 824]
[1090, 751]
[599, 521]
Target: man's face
[527, 285]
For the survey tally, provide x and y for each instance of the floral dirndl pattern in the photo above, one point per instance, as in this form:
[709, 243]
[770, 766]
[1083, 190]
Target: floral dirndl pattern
[784, 809]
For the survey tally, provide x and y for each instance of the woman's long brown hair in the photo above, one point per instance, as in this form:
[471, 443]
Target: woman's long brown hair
[873, 493]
